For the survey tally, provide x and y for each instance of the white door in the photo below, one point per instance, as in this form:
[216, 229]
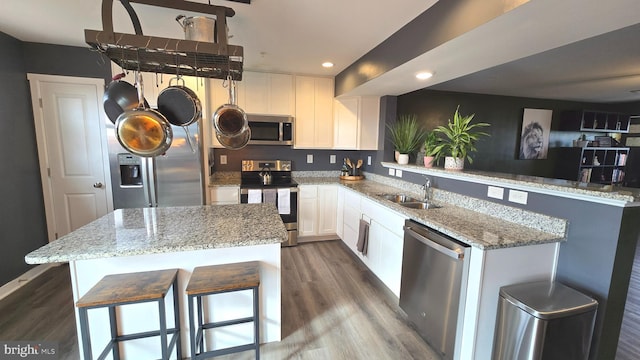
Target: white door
[72, 150]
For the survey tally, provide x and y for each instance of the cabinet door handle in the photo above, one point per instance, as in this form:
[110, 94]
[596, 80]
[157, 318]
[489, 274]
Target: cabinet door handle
[97, 185]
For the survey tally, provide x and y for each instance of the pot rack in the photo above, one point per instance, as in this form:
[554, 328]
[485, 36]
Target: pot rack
[165, 55]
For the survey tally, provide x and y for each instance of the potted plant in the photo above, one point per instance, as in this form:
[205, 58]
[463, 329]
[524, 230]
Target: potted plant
[430, 143]
[458, 140]
[406, 135]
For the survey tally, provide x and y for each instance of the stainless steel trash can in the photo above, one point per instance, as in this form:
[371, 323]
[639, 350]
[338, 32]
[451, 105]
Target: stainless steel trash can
[542, 321]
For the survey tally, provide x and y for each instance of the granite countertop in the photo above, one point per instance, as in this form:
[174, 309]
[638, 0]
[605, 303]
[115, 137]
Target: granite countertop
[568, 187]
[127, 232]
[471, 227]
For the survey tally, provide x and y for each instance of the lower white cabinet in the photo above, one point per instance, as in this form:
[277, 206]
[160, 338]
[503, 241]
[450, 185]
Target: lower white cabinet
[317, 206]
[222, 195]
[384, 250]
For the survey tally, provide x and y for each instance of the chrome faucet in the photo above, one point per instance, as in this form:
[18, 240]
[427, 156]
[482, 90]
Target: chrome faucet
[426, 190]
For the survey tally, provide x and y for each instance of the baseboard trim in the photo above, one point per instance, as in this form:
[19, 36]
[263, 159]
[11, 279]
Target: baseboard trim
[15, 284]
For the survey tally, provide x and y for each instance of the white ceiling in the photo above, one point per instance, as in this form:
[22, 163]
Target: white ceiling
[543, 48]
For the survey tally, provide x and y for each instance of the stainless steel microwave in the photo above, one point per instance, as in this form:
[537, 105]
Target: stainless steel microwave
[270, 129]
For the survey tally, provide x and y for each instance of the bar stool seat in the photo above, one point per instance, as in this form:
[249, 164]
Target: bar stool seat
[217, 279]
[131, 288]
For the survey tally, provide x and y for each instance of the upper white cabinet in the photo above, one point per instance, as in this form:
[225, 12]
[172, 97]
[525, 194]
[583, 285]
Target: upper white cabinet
[270, 94]
[356, 123]
[314, 112]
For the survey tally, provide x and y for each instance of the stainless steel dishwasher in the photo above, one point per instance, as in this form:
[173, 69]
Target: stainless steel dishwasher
[434, 273]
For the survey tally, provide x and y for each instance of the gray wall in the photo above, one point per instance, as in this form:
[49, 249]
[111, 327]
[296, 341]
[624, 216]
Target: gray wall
[22, 217]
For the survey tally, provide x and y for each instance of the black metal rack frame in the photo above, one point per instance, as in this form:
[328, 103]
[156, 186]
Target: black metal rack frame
[165, 55]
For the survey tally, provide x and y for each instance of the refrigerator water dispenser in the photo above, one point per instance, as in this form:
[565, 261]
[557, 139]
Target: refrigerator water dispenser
[130, 170]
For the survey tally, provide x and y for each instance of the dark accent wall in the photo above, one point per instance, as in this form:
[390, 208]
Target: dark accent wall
[499, 152]
[442, 22]
[22, 219]
[298, 156]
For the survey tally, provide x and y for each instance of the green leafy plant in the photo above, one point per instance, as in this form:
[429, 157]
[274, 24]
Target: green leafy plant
[430, 143]
[406, 134]
[459, 137]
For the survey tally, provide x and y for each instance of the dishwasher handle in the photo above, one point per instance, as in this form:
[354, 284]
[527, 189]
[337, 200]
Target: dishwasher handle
[438, 247]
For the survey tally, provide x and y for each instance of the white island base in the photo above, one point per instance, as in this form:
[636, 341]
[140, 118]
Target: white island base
[144, 316]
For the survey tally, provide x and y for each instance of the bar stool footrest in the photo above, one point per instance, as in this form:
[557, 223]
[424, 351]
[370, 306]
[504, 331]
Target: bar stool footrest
[225, 351]
[227, 322]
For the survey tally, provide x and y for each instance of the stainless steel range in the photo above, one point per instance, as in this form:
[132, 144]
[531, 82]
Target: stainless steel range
[270, 181]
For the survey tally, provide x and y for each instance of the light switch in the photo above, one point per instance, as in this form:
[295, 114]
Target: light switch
[398, 173]
[309, 158]
[392, 172]
[495, 192]
[519, 197]
[223, 159]
[368, 160]
[332, 159]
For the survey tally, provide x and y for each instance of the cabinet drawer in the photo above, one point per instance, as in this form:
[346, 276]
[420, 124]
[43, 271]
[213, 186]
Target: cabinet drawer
[351, 217]
[392, 220]
[352, 199]
[229, 195]
[308, 191]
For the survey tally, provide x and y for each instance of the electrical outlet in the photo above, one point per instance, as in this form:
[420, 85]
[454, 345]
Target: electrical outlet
[519, 197]
[332, 159]
[223, 159]
[392, 172]
[495, 192]
[398, 173]
[309, 158]
[368, 160]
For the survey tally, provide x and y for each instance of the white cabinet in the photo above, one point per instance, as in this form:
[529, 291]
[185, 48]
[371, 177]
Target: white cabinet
[356, 121]
[314, 112]
[317, 206]
[221, 195]
[384, 250]
[266, 93]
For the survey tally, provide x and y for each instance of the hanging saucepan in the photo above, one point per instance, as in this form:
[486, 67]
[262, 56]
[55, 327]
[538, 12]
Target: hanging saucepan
[229, 119]
[143, 131]
[119, 96]
[181, 106]
[235, 142]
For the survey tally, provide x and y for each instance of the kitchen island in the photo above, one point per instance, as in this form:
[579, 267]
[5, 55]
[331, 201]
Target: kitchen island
[132, 240]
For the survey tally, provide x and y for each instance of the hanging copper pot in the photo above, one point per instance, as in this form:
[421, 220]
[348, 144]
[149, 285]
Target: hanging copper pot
[142, 131]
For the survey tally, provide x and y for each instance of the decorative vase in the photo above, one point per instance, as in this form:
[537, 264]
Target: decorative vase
[451, 163]
[428, 161]
[403, 159]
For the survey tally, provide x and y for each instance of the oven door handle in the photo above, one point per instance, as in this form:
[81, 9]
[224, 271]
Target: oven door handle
[245, 191]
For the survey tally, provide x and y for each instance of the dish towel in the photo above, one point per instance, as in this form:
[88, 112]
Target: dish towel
[363, 237]
[284, 201]
[269, 196]
[254, 196]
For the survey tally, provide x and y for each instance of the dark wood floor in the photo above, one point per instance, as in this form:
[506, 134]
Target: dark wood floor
[332, 308]
[629, 343]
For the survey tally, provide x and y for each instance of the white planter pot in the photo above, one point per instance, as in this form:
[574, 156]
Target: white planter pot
[395, 155]
[403, 159]
[451, 163]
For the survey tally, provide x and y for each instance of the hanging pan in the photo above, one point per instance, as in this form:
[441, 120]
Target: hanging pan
[119, 96]
[235, 142]
[229, 119]
[181, 106]
[143, 131]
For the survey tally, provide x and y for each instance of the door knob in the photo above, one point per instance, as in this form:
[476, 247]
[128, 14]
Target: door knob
[97, 185]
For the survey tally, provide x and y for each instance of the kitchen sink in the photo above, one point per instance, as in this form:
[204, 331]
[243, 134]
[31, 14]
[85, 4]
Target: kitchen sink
[420, 205]
[398, 198]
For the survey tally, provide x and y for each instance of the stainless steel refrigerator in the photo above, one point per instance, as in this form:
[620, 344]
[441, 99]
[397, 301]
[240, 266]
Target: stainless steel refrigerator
[173, 179]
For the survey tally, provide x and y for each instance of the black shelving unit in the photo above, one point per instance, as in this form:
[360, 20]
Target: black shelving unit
[603, 165]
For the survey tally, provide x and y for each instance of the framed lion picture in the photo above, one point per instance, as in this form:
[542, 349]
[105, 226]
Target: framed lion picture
[534, 137]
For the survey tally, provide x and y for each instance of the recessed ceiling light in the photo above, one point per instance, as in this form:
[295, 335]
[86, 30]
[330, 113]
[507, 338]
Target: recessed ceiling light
[327, 64]
[424, 75]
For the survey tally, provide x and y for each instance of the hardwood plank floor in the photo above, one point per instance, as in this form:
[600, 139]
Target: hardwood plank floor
[332, 308]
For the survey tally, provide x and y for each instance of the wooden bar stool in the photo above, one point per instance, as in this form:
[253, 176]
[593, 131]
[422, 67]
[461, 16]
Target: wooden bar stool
[217, 279]
[124, 289]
